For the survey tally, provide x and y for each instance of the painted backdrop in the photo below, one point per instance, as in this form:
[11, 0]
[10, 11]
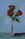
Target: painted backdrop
[5, 22]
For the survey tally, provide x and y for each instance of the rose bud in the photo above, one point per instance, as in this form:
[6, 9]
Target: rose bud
[19, 12]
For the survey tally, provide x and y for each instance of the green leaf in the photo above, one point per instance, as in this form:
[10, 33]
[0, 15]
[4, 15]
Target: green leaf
[18, 20]
[8, 17]
[15, 12]
[14, 21]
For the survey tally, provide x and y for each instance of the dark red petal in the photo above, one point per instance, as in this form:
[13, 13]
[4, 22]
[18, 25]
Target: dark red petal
[19, 12]
[10, 13]
[12, 7]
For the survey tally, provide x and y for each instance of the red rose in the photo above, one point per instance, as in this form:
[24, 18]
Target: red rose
[10, 12]
[12, 7]
[19, 12]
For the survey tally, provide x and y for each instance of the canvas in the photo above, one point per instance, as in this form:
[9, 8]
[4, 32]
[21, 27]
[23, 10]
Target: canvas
[6, 20]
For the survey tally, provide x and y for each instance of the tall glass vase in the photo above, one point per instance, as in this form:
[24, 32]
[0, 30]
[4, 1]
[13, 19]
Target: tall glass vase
[12, 32]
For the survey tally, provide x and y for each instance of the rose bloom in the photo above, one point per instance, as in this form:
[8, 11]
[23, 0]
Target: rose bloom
[9, 12]
[12, 7]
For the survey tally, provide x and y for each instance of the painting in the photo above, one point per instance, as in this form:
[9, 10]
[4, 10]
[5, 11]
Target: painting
[12, 18]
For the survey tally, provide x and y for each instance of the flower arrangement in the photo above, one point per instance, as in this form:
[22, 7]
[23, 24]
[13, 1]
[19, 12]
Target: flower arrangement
[11, 13]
